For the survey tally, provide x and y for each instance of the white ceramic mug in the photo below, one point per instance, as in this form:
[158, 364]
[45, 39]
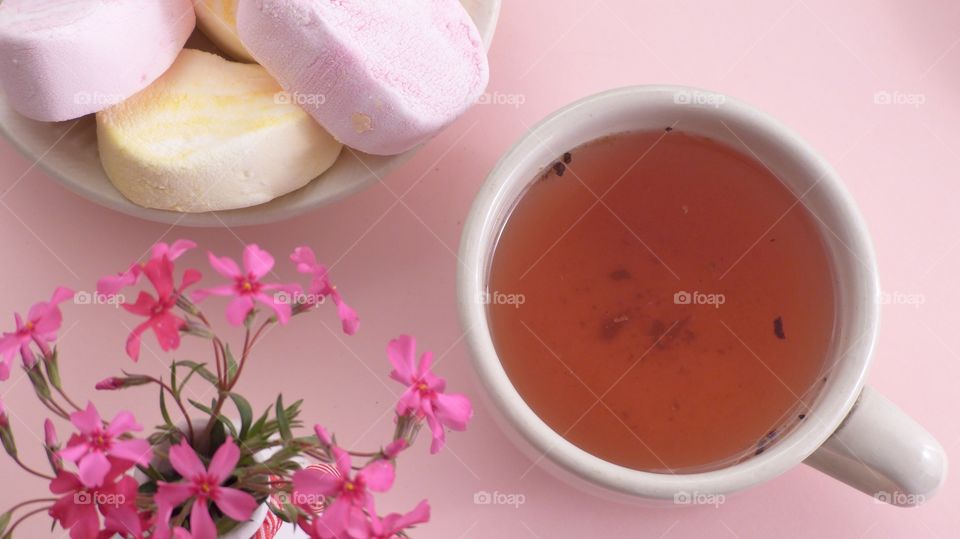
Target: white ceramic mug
[851, 432]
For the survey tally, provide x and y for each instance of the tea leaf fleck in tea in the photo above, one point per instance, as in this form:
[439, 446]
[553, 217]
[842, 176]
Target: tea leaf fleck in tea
[778, 328]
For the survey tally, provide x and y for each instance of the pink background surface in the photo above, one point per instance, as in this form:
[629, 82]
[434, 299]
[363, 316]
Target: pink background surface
[815, 64]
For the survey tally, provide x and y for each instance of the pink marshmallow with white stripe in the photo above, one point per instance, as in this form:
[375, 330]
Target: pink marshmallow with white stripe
[382, 76]
[63, 59]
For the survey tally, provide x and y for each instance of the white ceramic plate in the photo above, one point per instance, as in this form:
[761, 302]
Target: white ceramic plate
[68, 152]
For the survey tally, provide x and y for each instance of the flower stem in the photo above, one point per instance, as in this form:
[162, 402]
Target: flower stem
[28, 502]
[30, 470]
[9, 532]
[54, 407]
[66, 398]
[179, 402]
[365, 455]
[248, 343]
[221, 378]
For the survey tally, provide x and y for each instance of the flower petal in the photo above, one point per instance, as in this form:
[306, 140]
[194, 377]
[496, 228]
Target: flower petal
[409, 401]
[453, 410]
[138, 451]
[123, 422]
[395, 448]
[175, 250]
[87, 524]
[87, 420]
[61, 294]
[124, 521]
[224, 461]
[65, 482]
[236, 504]
[172, 494]
[238, 309]
[394, 523]
[93, 468]
[343, 462]
[74, 451]
[256, 261]
[378, 475]
[46, 318]
[334, 520]
[185, 461]
[323, 435]
[282, 310]
[439, 435]
[402, 353]
[434, 382]
[426, 363]
[143, 306]
[312, 483]
[201, 525]
[357, 521]
[111, 284]
[190, 278]
[225, 266]
[160, 274]
[204, 293]
[305, 260]
[134, 341]
[166, 327]
[348, 316]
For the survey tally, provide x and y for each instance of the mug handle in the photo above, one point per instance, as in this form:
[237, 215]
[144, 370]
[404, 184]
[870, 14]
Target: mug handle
[883, 452]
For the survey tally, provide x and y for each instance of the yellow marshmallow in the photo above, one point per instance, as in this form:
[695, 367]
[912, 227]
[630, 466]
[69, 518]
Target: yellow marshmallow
[210, 135]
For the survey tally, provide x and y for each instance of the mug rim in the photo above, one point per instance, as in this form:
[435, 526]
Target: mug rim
[479, 235]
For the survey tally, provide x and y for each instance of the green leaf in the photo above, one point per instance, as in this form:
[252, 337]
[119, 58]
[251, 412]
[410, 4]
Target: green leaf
[193, 370]
[260, 424]
[202, 407]
[229, 425]
[53, 369]
[202, 370]
[219, 434]
[231, 364]
[246, 414]
[163, 409]
[290, 512]
[219, 418]
[278, 511]
[6, 437]
[5, 521]
[283, 424]
[39, 382]
[151, 472]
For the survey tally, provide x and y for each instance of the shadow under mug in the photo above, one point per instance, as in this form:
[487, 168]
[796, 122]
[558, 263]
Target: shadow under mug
[850, 432]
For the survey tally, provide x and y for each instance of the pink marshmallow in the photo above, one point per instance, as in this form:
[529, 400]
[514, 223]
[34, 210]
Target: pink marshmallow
[382, 76]
[63, 59]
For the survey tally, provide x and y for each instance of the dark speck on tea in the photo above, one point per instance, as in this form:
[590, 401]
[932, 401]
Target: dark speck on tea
[778, 328]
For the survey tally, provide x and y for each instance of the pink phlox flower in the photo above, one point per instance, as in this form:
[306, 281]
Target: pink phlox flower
[40, 327]
[247, 287]
[425, 397]
[95, 448]
[321, 287]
